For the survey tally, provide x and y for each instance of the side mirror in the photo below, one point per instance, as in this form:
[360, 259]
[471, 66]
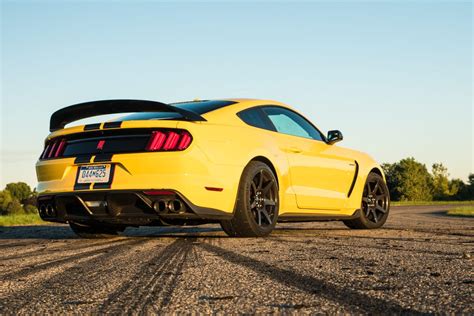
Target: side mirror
[334, 137]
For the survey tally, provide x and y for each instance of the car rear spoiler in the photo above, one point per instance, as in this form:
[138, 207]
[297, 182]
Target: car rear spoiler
[72, 113]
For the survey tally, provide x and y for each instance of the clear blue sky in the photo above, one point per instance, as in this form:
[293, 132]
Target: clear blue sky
[395, 77]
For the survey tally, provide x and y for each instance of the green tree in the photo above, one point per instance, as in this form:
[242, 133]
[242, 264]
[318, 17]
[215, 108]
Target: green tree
[467, 192]
[5, 199]
[20, 190]
[408, 180]
[443, 189]
[458, 186]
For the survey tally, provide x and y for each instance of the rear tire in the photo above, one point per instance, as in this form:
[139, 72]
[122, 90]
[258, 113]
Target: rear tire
[375, 204]
[93, 232]
[256, 209]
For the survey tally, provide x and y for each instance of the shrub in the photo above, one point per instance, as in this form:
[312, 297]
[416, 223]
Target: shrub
[30, 209]
[14, 208]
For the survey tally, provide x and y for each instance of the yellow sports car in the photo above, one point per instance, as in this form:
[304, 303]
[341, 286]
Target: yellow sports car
[243, 163]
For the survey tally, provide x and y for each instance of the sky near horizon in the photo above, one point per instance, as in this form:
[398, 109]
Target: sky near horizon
[394, 77]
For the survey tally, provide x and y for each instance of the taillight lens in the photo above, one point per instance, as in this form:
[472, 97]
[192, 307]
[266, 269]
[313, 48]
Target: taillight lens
[54, 149]
[169, 141]
[156, 142]
[60, 149]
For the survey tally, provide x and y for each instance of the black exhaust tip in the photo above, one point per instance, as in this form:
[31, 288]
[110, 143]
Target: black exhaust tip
[160, 206]
[176, 206]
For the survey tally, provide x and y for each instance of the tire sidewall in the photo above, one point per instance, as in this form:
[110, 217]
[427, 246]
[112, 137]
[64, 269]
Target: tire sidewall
[368, 224]
[243, 207]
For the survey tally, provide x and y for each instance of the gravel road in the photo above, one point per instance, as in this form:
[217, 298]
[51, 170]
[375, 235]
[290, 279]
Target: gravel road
[421, 262]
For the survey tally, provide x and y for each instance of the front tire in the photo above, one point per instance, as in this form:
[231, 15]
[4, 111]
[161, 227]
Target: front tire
[94, 232]
[375, 204]
[257, 205]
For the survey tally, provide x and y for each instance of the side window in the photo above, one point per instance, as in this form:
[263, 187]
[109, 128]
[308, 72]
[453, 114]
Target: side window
[255, 117]
[291, 123]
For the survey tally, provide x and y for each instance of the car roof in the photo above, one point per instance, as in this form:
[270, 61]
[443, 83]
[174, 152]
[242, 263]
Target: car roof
[227, 114]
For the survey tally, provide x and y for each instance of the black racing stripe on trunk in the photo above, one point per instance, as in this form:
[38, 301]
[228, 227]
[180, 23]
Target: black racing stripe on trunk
[81, 186]
[102, 186]
[103, 158]
[83, 159]
[107, 185]
[112, 125]
[89, 127]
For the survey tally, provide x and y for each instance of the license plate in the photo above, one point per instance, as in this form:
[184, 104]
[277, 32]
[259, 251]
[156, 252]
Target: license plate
[94, 174]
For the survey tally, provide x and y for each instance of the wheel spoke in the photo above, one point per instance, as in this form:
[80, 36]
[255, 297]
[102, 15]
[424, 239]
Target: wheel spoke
[260, 183]
[364, 199]
[259, 217]
[253, 205]
[367, 212]
[267, 216]
[381, 209]
[375, 216]
[368, 188]
[254, 187]
[268, 186]
[268, 202]
[374, 191]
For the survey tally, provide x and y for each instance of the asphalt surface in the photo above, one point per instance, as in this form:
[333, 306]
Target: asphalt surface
[421, 262]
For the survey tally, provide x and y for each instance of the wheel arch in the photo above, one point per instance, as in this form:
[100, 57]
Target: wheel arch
[267, 161]
[379, 171]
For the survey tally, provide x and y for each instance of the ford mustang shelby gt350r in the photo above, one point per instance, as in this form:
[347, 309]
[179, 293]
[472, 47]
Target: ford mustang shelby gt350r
[243, 163]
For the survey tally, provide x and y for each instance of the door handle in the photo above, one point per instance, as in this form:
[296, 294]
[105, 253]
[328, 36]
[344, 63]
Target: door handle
[294, 150]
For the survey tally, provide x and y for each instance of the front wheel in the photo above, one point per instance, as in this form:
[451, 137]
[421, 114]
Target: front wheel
[86, 231]
[375, 204]
[256, 210]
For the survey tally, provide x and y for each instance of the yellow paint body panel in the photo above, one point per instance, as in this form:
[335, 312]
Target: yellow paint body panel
[314, 177]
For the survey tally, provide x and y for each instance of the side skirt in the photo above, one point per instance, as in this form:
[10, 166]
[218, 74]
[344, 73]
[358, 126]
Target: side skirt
[315, 218]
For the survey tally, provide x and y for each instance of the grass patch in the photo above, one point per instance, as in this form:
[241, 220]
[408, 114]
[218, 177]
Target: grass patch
[20, 219]
[410, 203]
[466, 211]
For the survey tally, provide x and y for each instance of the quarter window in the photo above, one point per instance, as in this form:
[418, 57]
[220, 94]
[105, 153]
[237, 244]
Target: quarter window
[291, 123]
[255, 117]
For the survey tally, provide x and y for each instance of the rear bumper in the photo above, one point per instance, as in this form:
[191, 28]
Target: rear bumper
[189, 172]
[125, 207]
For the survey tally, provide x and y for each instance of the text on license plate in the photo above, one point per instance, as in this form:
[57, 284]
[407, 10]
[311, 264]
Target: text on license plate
[94, 174]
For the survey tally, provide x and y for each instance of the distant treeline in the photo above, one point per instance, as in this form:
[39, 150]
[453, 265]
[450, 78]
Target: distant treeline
[408, 180]
[18, 198]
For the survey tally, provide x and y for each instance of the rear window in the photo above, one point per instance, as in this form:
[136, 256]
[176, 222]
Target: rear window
[199, 107]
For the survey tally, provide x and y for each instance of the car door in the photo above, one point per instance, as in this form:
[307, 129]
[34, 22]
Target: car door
[321, 175]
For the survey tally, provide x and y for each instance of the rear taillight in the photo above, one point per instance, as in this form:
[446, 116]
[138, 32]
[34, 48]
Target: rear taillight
[54, 149]
[60, 149]
[169, 141]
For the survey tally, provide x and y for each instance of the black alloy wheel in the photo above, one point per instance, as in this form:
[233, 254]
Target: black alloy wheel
[263, 198]
[375, 200]
[257, 205]
[375, 204]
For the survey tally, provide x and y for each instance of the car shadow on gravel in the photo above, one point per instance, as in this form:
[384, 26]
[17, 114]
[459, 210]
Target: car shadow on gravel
[52, 232]
[345, 295]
